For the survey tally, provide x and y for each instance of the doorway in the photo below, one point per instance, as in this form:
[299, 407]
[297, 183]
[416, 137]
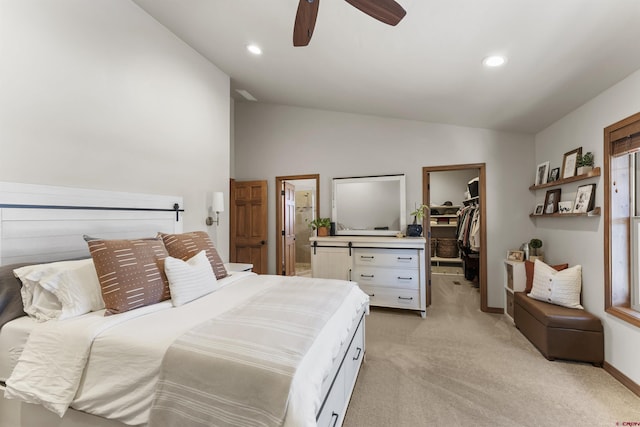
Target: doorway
[443, 190]
[296, 206]
[248, 224]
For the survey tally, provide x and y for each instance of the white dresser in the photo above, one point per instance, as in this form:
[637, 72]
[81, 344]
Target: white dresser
[390, 270]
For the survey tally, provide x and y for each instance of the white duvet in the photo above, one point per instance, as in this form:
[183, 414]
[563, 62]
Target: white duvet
[108, 366]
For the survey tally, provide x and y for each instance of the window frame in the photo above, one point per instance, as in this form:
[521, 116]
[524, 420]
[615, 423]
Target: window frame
[618, 293]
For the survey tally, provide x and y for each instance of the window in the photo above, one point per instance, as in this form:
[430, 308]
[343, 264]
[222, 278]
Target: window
[622, 225]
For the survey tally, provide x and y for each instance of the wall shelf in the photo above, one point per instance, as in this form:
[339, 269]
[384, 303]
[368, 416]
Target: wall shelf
[594, 212]
[593, 173]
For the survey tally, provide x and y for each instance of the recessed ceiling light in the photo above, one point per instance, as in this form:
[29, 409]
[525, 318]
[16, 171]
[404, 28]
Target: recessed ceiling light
[494, 61]
[255, 49]
[246, 95]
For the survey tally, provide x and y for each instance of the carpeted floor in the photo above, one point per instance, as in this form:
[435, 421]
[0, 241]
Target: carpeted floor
[462, 367]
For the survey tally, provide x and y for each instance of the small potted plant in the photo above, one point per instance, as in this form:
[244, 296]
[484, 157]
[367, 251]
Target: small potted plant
[415, 229]
[322, 225]
[535, 245]
[584, 163]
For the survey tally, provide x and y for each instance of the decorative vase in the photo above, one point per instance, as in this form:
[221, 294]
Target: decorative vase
[414, 230]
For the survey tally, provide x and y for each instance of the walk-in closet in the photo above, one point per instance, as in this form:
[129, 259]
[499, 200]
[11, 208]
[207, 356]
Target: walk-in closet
[454, 227]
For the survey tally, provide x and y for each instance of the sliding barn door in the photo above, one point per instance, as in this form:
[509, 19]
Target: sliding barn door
[248, 243]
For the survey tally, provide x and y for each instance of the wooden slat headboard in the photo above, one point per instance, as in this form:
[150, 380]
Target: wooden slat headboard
[47, 223]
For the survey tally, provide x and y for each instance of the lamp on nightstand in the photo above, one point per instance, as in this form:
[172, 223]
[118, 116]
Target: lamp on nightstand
[217, 206]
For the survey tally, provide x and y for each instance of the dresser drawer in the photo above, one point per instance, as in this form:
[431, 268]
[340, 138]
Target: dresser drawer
[403, 258]
[389, 297]
[391, 277]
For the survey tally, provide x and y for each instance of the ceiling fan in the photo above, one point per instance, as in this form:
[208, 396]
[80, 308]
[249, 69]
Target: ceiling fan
[387, 11]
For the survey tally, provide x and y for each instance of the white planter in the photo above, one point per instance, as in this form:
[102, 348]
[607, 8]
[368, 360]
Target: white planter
[584, 169]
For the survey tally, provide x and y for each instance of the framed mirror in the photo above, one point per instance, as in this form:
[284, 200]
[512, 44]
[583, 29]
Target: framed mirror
[369, 205]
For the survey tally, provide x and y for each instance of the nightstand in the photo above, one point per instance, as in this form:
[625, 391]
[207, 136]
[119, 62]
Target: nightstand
[236, 266]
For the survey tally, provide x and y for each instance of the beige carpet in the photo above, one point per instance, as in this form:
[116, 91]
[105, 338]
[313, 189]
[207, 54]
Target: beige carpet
[462, 367]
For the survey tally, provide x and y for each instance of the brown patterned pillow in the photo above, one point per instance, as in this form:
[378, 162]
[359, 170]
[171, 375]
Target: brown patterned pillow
[186, 245]
[131, 273]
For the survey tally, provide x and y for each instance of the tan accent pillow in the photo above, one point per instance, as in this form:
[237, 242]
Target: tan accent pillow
[131, 273]
[186, 245]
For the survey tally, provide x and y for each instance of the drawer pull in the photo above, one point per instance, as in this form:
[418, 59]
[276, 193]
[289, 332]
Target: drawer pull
[369, 276]
[404, 298]
[333, 414]
[372, 295]
[405, 278]
[358, 355]
[366, 257]
[404, 258]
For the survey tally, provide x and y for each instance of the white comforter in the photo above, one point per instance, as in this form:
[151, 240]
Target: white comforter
[108, 366]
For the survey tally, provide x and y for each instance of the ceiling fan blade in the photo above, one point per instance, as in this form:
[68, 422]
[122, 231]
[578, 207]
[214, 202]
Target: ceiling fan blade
[305, 22]
[387, 11]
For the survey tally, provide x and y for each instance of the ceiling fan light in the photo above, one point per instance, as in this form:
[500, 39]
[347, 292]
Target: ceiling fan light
[255, 49]
[494, 61]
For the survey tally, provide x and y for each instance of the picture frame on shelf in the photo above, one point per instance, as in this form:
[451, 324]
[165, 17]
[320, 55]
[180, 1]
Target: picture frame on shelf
[551, 200]
[542, 173]
[539, 209]
[514, 255]
[554, 174]
[570, 162]
[585, 198]
[565, 207]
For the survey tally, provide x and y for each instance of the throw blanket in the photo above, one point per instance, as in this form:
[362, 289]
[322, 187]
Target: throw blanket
[236, 369]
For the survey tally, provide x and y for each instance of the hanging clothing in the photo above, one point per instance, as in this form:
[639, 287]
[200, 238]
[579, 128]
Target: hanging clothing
[468, 231]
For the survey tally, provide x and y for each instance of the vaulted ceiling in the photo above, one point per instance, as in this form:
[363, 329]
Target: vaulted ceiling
[560, 54]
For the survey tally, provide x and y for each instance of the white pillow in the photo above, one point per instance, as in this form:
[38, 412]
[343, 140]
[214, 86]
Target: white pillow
[191, 279]
[557, 287]
[60, 290]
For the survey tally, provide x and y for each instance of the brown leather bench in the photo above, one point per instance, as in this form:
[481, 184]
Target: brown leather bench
[560, 332]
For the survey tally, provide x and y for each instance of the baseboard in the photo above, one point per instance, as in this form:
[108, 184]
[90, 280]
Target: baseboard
[495, 310]
[625, 380]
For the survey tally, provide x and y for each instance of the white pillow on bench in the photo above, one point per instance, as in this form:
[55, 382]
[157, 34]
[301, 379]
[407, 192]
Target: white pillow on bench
[557, 287]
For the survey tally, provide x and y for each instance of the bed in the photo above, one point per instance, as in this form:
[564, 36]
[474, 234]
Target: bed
[132, 356]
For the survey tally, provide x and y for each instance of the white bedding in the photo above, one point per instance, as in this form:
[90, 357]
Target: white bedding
[13, 337]
[123, 364]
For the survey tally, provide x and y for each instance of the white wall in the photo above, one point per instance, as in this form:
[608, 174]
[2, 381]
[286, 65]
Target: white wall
[450, 185]
[272, 140]
[97, 94]
[581, 241]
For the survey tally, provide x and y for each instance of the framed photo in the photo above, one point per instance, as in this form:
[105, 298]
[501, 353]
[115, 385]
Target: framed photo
[515, 256]
[551, 200]
[542, 173]
[569, 162]
[539, 210]
[565, 207]
[554, 174]
[585, 198]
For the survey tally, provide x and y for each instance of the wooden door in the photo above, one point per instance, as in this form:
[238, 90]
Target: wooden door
[248, 242]
[289, 229]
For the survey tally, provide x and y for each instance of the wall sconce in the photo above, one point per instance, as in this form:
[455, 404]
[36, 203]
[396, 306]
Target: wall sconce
[217, 206]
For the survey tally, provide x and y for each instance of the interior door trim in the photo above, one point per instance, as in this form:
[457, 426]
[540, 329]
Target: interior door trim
[483, 222]
[279, 212]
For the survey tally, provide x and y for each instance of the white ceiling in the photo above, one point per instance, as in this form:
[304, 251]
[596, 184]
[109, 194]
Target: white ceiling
[561, 53]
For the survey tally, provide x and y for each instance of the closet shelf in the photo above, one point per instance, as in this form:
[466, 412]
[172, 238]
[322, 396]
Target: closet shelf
[593, 173]
[594, 212]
